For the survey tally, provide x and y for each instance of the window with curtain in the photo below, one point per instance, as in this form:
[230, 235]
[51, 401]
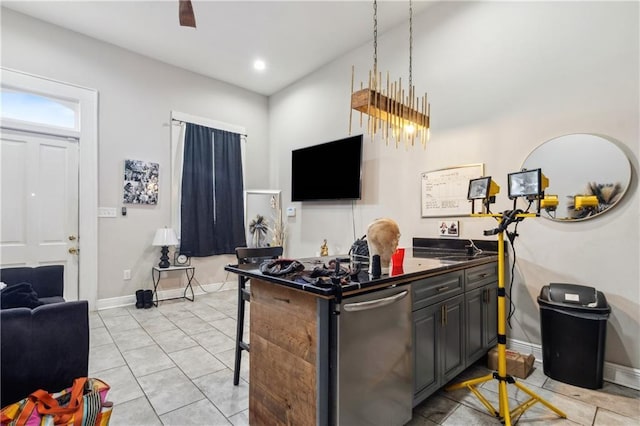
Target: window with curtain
[212, 205]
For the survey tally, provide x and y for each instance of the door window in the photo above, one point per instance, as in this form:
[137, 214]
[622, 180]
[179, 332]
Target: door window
[36, 109]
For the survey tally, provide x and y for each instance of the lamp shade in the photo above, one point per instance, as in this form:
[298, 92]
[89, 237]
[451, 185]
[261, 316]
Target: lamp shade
[165, 237]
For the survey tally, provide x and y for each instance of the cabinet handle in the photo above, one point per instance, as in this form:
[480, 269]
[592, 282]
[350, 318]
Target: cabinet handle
[443, 288]
[372, 304]
[443, 315]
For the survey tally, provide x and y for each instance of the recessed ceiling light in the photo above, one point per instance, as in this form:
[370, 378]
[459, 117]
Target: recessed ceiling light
[259, 65]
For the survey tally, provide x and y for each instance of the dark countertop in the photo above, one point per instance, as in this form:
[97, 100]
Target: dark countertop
[419, 262]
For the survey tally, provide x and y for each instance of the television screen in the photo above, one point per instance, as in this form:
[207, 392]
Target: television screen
[328, 171]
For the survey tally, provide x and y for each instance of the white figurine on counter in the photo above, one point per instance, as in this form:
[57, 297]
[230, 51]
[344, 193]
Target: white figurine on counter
[383, 236]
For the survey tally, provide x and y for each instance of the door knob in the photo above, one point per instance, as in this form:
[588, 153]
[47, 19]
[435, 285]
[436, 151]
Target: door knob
[72, 237]
[74, 250]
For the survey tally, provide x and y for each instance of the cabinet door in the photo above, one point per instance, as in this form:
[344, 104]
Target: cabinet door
[426, 322]
[475, 324]
[490, 305]
[452, 338]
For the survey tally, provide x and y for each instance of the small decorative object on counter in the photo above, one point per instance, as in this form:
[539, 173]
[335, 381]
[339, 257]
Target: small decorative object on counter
[359, 251]
[397, 257]
[383, 236]
[324, 249]
[376, 269]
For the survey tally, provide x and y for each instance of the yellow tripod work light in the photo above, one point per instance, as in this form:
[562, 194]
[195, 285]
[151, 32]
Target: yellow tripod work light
[529, 184]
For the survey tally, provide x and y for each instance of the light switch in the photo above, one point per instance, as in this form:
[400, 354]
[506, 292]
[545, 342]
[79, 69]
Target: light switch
[106, 212]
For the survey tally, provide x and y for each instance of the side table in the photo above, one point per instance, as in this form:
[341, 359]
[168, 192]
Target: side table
[188, 270]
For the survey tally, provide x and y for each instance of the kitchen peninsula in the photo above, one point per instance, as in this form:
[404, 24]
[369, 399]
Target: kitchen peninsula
[372, 349]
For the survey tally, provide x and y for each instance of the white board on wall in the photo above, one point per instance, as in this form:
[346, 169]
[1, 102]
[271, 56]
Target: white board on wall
[444, 192]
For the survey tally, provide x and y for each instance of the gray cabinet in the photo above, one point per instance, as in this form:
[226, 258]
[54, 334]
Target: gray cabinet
[481, 310]
[438, 332]
[426, 322]
[455, 319]
[452, 339]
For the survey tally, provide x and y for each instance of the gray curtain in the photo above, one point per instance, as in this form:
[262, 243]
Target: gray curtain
[212, 205]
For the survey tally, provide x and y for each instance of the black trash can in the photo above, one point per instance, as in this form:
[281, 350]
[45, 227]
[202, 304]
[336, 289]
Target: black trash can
[573, 324]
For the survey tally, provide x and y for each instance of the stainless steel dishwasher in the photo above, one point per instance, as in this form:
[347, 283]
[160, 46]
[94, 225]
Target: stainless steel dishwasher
[372, 378]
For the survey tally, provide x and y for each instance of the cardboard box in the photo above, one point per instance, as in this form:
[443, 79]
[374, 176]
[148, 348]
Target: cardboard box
[518, 365]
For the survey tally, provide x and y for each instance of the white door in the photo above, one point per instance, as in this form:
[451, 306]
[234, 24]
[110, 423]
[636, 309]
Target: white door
[39, 204]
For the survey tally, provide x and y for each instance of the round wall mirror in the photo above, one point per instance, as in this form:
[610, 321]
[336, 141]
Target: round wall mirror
[588, 173]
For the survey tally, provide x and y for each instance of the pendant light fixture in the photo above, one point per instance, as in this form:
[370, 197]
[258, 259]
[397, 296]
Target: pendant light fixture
[391, 111]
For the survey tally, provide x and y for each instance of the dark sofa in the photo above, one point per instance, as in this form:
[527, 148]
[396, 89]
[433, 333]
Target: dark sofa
[46, 281]
[42, 348]
[46, 347]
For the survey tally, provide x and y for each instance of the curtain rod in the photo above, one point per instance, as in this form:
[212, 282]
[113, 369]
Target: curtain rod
[183, 122]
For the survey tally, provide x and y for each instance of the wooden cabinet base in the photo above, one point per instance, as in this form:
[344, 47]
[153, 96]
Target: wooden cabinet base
[283, 336]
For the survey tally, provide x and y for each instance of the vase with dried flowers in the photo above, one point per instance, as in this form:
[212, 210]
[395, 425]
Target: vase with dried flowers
[277, 226]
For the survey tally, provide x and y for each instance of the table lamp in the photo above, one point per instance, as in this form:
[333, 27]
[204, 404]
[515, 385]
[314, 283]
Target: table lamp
[164, 238]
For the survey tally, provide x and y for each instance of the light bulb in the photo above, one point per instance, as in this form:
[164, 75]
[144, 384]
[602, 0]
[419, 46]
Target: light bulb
[259, 65]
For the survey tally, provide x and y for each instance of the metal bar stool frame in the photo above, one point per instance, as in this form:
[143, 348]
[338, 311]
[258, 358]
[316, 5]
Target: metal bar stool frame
[245, 256]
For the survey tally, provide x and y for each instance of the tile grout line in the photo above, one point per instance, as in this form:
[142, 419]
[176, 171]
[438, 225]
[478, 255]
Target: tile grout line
[129, 367]
[175, 365]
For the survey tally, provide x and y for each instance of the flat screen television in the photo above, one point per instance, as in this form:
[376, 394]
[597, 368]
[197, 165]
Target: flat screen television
[328, 171]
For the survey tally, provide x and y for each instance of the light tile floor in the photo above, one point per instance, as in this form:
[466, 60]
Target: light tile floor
[173, 365]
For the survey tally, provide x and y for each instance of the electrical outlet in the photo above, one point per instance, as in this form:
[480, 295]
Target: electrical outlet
[127, 274]
[291, 211]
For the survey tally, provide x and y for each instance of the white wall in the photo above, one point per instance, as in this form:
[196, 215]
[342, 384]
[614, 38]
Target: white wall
[136, 95]
[503, 77]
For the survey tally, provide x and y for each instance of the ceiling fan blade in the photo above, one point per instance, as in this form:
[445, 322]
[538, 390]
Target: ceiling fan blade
[187, 18]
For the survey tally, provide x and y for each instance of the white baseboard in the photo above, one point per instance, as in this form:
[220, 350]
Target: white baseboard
[621, 375]
[614, 373]
[526, 348]
[116, 302]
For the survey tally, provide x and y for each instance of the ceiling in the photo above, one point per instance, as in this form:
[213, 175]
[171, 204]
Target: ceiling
[292, 37]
